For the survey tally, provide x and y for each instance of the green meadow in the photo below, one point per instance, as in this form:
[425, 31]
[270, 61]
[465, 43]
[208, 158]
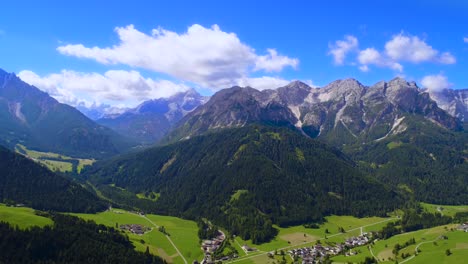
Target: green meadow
[54, 161]
[430, 242]
[22, 217]
[449, 210]
[300, 236]
[183, 233]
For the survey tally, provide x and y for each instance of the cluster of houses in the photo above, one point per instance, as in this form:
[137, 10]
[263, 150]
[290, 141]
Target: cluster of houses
[135, 228]
[357, 241]
[463, 227]
[210, 246]
[317, 253]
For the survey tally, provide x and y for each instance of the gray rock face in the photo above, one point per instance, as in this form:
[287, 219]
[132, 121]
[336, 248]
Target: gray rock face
[454, 102]
[152, 119]
[343, 111]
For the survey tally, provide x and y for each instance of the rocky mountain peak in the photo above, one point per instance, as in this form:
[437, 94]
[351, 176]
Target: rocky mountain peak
[298, 84]
[400, 82]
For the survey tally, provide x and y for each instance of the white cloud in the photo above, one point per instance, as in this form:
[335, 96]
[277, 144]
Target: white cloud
[436, 83]
[371, 56]
[264, 82]
[399, 49]
[412, 49]
[341, 48]
[209, 57]
[465, 39]
[115, 87]
[274, 62]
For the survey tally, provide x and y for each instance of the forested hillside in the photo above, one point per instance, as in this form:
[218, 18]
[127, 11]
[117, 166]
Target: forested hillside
[69, 240]
[23, 181]
[248, 178]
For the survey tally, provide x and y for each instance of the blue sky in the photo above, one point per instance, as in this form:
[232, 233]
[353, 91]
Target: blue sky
[73, 50]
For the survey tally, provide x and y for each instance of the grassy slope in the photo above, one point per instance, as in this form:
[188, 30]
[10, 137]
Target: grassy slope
[22, 217]
[430, 253]
[182, 232]
[449, 210]
[49, 159]
[295, 235]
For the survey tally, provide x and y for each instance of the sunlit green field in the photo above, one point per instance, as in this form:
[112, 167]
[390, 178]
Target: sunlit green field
[184, 235]
[432, 246]
[182, 232]
[299, 236]
[22, 217]
[54, 161]
[449, 210]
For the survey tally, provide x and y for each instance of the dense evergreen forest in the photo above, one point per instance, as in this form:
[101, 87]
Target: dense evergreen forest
[426, 162]
[69, 240]
[247, 179]
[26, 182]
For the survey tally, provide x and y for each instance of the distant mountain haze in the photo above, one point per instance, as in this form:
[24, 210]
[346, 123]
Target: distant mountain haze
[153, 119]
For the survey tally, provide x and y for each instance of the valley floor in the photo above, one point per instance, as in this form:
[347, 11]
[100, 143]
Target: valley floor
[181, 244]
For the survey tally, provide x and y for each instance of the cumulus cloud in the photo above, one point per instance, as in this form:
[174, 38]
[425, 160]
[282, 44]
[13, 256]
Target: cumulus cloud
[371, 56]
[274, 62]
[465, 39]
[264, 82]
[399, 49]
[209, 57]
[412, 49]
[436, 83]
[341, 48]
[115, 87]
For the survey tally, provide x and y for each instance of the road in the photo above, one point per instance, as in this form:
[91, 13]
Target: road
[416, 250]
[168, 238]
[298, 245]
[372, 253]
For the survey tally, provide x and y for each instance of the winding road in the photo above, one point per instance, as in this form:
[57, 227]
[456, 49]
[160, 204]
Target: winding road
[168, 238]
[416, 250]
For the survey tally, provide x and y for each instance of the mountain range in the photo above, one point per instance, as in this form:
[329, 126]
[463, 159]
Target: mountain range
[342, 112]
[33, 118]
[153, 119]
[248, 159]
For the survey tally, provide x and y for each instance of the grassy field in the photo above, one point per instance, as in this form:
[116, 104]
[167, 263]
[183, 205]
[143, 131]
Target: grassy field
[182, 232]
[432, 247]
[449, 210]
[22, 217]
[55, 165]
[299, 236]
[82, 163]
[54, 161]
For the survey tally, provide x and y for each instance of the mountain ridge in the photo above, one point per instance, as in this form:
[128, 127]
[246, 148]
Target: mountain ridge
[345, 103]
[33, 118]
[152, 119]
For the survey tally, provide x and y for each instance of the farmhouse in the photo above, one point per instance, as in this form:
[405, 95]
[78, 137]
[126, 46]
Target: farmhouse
[463, 227]
[135, 228]
[246, 248]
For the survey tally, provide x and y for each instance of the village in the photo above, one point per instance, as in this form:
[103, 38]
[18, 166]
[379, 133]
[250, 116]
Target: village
[317, 253]
[210, 246]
